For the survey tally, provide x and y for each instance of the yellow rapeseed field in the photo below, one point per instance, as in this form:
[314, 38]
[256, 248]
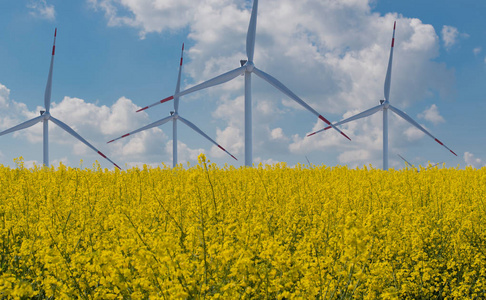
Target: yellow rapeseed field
[269, 232]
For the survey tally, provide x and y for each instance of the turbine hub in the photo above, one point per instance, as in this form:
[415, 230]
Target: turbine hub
[46, 115]
[249, 66]
[386, 104]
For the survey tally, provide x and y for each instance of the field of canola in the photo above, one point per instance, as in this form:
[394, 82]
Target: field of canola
[270, 232]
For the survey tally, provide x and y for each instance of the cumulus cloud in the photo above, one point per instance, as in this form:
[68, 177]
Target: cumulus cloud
[432, 114]
[333, 54]
[473, 161]
[11, 112]
[477, 50]
[451, 35]
[413, 133]
[148, 15]
[4, 96]
[40, 9]
[184, 153]
[97, 124]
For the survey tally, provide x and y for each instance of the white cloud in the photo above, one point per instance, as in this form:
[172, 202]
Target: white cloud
[277, 134]
[11, 112]
[473, 161]
[354, 156]
[477, 50]
[265, 162]
[333, 54]
[184, 153]
[4, 96]
[40, 9]
[413, 133]
[432, 114]
[96, 124]
[451, 35]
[148, 15]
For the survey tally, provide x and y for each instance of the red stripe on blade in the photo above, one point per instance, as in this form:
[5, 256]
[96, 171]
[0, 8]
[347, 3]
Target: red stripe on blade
[439, 142]
[453, 152]
[55, 32]
[181, 61]
[53, 50]
[345, 135]
[117, 166]
[311, 134]
[222, 148]
[166, 99]
[393, 42]
[395, 25]
[125, 135]
[110, 141]
[101, 154]
[325, 120]
[142, 109]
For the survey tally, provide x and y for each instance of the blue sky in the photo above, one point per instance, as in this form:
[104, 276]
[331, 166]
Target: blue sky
[113, 57]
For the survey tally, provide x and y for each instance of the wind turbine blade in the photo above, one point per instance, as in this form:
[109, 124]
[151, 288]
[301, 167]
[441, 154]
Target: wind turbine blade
[196, 129]
[23, 125]
[211, 82]
[268, 78]
[73, 133]
[151, 125]
[411, 121]
[366, 113]
[214, 81]
[250, 36]
[47, 94]
[178, 86]
[389, 70]
[406, 161]
[156, 103]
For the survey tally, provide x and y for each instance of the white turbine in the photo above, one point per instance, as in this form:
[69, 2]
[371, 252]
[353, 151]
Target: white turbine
[247, 68]
[385, 106]
[174, 117]
[46, 116]
[406, 161]
[409, 164]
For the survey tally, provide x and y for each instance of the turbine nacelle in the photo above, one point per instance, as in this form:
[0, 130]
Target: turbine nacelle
[249, 66]
[385, 103]
[45, 114]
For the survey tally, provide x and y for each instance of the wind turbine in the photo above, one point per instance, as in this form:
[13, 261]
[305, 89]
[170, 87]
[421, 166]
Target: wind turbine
[248, 67]
[174, 117]
[409, 164]
[385, 106]
[46, 116]
[406, 161]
